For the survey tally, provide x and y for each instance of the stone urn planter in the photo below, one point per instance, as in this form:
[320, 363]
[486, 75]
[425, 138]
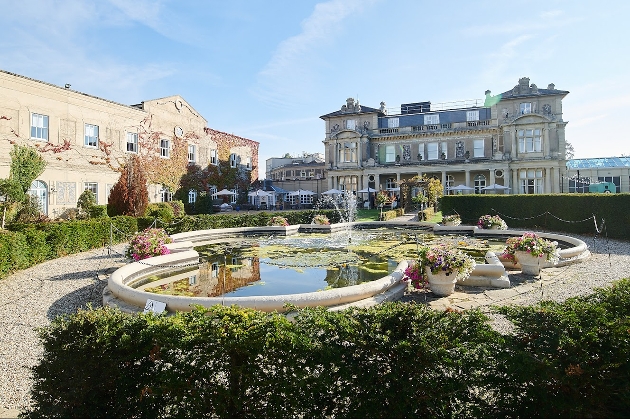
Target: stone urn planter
[441, 283]
[530, 265]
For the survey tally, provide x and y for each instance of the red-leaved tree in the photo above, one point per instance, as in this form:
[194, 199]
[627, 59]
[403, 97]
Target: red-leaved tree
[130, 195]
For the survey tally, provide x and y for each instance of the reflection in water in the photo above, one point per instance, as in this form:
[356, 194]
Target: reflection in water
[297, 264]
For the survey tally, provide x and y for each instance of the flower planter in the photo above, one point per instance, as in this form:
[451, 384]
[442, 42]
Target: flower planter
[452, 223]
[530, 265]
[494, 228]
[440, 283]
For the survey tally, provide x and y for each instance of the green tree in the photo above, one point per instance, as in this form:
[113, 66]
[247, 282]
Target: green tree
[26, 165]
[86, 202]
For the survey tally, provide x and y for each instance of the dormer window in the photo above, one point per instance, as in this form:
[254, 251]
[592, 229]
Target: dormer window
[432, 119]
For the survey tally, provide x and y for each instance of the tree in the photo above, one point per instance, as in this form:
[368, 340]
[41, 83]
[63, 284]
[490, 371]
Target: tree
[86, 202]
[26, 165]
[130, 195]
[570, 151]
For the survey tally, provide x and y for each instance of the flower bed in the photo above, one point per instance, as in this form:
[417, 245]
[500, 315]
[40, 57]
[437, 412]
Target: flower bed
[148, 243]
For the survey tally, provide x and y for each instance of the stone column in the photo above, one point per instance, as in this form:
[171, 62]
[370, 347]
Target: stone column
[547, 180]
[545, 139]
[507, 181]
[515, 185]
[492, 178]
[514, 142]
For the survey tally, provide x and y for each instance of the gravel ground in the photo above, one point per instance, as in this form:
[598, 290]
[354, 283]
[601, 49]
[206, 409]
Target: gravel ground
[32, 298]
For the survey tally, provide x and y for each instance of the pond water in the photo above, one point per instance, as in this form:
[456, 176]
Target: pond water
[264, 266]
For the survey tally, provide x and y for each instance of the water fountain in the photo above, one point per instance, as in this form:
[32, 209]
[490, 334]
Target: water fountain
[389, 287]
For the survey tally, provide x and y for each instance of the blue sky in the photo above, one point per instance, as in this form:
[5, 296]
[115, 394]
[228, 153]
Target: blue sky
[266, 70]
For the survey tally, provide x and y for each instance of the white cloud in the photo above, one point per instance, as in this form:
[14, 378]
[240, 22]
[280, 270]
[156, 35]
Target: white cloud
[550, 14]
[286, 74]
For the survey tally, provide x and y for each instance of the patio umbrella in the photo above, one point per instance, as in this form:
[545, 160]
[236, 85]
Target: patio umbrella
[332, 192]
[367, 190]
[495, 187]
[460, 188]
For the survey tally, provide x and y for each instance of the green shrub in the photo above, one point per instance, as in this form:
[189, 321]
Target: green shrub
[98, 211]
[566, 359]
[86, 202]
[572, 359]
[162, 211]
[570, 213]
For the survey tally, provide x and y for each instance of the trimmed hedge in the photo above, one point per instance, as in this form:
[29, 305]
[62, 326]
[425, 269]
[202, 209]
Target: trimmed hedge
[566, 359]
[26, 245]
[570, 213]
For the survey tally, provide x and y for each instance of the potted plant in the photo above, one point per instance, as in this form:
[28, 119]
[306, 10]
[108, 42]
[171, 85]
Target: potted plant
[278, 221]
[414, 275]
[321, 219]
[443, 266]
[451, 220]
[491, 222]
[530, 250]
[148, 243]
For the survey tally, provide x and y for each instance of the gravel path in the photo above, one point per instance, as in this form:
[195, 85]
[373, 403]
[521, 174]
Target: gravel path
[32, 298]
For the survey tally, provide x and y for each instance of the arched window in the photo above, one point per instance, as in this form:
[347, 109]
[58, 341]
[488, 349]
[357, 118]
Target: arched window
[39, 190]
[480, 182]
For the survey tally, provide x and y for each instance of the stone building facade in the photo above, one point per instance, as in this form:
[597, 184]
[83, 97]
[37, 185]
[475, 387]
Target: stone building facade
[515, 140]
[85, 140]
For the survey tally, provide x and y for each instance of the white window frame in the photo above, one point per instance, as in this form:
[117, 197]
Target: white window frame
[39, 127]
[444, 150]
[165, 148]
[432, 119]
[525, 108]
[91, 186]
[351, 124]
[192, 153]
[472, 116]
[433, 151]
[479, 148]
[192, 196]
[529, 140]
[390, 154]
[248, 163]
[214, 157]
[393, 123]
[166, 195]
[531, 181]
[132, 142]
[90, 136]
[479, 182]
[348, 152]
[233, 160]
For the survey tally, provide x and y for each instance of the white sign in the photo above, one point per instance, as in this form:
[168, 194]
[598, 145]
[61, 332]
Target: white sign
[156, 307]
